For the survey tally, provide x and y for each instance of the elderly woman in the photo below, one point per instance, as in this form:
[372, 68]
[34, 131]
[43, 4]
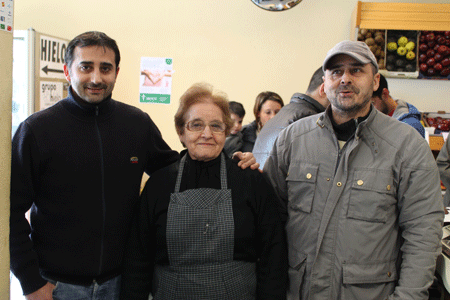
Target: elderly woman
[205, 228]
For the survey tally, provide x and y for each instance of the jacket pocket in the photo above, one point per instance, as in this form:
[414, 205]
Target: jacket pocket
[369, 281]
[301, 182]
[370, 272]
[372, 195]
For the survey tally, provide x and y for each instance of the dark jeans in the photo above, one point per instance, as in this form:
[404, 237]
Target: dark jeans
[109, 290]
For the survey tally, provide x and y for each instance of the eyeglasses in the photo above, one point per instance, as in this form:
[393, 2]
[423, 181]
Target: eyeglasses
[199, 126]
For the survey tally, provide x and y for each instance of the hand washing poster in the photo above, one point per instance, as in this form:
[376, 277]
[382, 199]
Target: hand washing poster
[155, 84]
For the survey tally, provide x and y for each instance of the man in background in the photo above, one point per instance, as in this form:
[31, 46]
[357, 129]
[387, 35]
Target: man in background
[398, 109]
[313, 101]
[361, 193]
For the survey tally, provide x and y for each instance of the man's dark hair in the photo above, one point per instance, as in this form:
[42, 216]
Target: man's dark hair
[237, 109]
[316, 80]
[383, 85]
[91, 38]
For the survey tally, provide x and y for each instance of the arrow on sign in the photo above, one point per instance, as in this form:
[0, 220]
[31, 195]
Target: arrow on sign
[46, 70]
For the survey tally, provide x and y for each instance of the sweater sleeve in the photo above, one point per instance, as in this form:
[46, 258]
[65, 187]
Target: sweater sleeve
[272, 270]
[138, 264]
[24, 170]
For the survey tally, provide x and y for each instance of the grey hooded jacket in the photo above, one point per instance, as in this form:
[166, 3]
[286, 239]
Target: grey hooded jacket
[300, 106]
[364, 221]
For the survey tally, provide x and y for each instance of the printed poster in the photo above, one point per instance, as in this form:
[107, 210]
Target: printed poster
[155, 84]
[51, 92]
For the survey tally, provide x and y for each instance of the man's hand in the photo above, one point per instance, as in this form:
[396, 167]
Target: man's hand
[44, 293]
[245, 160]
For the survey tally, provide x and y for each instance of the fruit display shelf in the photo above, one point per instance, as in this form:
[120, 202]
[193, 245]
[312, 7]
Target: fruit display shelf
[425, 24]
[434, 54]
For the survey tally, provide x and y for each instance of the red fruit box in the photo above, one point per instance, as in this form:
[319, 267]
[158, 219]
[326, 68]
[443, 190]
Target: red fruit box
[434, 55]
[441, 122]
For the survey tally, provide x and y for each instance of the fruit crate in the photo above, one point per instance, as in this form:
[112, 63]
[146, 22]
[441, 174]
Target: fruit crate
[401, 54]
[434, 55]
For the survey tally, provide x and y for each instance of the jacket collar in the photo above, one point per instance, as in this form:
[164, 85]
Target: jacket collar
[88, 111]
[299, 97]
[324, 120]
[362, 131]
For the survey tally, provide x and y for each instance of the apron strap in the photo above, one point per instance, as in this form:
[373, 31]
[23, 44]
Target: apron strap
[223, 173]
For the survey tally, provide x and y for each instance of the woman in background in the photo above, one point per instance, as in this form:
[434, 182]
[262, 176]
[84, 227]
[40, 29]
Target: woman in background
[205, 228]
[267, 105]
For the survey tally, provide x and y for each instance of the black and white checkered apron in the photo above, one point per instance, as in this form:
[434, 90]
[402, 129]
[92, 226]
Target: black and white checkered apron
[200, 243]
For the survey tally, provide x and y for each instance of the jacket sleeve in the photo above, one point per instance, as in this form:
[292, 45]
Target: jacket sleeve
[443, 162]
[24, 182]
[420, 220]
[272, 274]
[137, 273]
[275, 170]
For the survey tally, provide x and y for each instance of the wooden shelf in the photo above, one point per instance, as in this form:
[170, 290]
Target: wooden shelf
[400, 16]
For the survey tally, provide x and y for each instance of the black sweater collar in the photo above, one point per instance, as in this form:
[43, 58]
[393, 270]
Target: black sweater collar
[88, 111]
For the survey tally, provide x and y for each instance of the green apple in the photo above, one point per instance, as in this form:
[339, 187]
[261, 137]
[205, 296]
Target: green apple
[410, 46]
[401, 51]
[402, 41]
[410, 55]
[392, 46]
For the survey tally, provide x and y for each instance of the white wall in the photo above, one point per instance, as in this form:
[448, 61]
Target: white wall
[234, 45]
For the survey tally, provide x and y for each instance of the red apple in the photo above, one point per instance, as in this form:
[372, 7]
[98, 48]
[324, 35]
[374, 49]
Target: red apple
[446, 62]
[423, 68]
[423, 47]
[447, 41]
[431, 44]
[423, 57]
[431, 62]
[430, 53]
[440, 40]
[436, 47]
[438, 57]
[445, 72]
[431, 72]
[442, 49]
[430, 36]
[438, 67]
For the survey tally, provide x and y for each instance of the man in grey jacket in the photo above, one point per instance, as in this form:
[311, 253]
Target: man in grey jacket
[312, 102]
[361, 192]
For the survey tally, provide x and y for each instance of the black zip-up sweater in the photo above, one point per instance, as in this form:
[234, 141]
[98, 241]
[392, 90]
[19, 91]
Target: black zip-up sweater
[79, 167]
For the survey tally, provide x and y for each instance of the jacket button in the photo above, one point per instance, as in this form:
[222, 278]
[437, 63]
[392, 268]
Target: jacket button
[388, 187]
[389, 274]
[308, 175]
[360, 182]
[339, 184]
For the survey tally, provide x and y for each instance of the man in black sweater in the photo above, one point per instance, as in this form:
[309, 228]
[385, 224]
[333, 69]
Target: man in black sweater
[78, 165]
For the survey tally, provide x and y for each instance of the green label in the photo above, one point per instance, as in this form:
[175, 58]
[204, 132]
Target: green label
[155, 98]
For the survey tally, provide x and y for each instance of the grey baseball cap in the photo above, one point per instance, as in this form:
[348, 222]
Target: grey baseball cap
[358, 50]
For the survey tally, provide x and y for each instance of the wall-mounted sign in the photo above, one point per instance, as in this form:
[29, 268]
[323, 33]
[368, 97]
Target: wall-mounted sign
[51, 56]
[6, 15]
[155, 84]
[51, 92]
